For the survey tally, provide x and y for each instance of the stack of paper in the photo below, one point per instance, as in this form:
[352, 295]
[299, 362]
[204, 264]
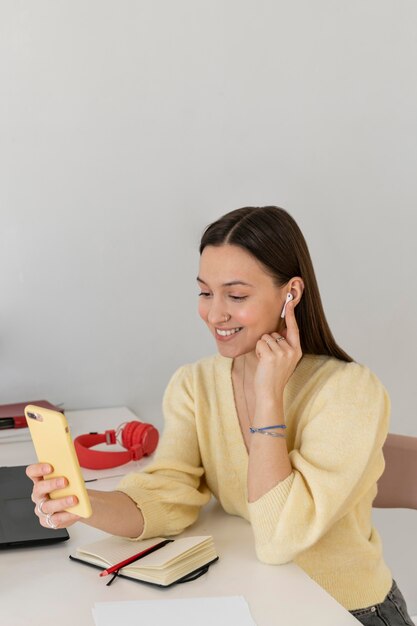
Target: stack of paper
[222, 611]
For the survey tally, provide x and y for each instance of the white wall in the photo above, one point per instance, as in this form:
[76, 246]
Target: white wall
[125, 128]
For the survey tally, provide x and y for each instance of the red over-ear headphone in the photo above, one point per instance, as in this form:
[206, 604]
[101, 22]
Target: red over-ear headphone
[137, 437]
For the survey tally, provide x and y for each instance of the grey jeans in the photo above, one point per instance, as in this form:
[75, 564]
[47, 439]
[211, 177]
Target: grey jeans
[391, 612]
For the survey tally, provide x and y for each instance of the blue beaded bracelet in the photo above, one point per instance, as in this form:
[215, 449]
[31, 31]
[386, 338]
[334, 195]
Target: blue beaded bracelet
[265, 430]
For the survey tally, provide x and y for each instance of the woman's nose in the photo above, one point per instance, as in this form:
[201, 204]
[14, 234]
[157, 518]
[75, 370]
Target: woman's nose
[216, 315]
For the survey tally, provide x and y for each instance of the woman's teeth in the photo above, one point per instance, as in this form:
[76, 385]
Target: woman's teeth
[226, 333]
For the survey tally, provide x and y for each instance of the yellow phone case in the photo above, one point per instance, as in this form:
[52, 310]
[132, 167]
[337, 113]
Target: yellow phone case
[53, 444]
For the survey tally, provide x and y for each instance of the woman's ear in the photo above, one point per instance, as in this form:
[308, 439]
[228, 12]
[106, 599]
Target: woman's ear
[296, 287]
[293, 288]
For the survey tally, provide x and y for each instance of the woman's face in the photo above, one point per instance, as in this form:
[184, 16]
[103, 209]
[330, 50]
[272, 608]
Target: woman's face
[254, 307]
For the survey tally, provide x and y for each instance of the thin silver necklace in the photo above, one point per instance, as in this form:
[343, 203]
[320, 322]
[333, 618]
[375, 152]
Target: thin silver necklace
[244, 394]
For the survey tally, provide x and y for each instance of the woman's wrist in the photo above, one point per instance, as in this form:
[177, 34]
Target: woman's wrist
[268, 412]
[115, 513]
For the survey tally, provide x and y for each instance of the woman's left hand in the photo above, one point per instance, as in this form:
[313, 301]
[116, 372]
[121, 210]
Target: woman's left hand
[277, 359]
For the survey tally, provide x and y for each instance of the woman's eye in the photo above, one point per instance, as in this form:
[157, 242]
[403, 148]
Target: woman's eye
[235, 298]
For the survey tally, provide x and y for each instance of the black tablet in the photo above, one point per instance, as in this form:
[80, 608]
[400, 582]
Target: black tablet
[19, 526]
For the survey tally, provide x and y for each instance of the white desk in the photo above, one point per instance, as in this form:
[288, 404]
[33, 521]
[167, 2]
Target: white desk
[40, 586]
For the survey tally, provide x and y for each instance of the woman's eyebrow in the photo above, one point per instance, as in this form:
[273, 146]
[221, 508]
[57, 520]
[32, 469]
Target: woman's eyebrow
[229, 284]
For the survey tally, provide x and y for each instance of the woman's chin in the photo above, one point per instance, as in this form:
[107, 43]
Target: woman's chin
[233, 351]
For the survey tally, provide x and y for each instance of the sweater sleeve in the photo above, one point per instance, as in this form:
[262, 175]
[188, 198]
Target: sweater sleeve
[338, 460]
[171, 490]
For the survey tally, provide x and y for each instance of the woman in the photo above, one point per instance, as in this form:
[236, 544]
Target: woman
[282, 426]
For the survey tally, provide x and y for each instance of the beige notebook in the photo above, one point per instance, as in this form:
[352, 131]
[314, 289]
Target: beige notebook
[182, 559]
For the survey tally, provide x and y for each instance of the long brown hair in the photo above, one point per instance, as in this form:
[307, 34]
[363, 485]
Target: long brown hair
[273, 237]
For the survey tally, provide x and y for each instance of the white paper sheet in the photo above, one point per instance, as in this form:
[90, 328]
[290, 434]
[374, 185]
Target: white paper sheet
[222, 611]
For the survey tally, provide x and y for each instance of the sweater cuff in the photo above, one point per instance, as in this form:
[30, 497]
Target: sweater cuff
[265, 511]
[148, 506]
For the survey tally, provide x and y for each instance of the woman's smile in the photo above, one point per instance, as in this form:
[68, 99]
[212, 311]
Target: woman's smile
[223, 334]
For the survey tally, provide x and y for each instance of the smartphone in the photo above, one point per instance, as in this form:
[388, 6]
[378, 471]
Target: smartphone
[53, 444]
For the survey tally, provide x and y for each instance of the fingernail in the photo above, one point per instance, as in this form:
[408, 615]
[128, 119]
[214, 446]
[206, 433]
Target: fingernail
[61, 482]
[46, 469]
[70, 500]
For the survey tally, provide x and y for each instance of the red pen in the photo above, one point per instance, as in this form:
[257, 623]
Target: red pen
[135, 557]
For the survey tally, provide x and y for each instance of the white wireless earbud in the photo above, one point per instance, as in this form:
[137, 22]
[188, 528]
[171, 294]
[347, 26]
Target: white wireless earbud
[289, 298]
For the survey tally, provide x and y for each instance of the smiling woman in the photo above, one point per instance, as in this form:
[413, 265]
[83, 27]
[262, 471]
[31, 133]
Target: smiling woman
[281, 425]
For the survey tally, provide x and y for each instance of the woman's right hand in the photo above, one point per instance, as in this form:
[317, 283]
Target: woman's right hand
[46, 508]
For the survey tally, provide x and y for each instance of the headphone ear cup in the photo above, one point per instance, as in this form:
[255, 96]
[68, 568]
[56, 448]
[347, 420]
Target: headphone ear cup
[150, 439]
[127, 434]
[138, 433]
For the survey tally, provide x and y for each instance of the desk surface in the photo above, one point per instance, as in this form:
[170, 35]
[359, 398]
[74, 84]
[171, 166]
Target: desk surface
[41, 586]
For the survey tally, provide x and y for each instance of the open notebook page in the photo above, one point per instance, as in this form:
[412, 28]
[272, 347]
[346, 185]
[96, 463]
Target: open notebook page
[116, 549]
